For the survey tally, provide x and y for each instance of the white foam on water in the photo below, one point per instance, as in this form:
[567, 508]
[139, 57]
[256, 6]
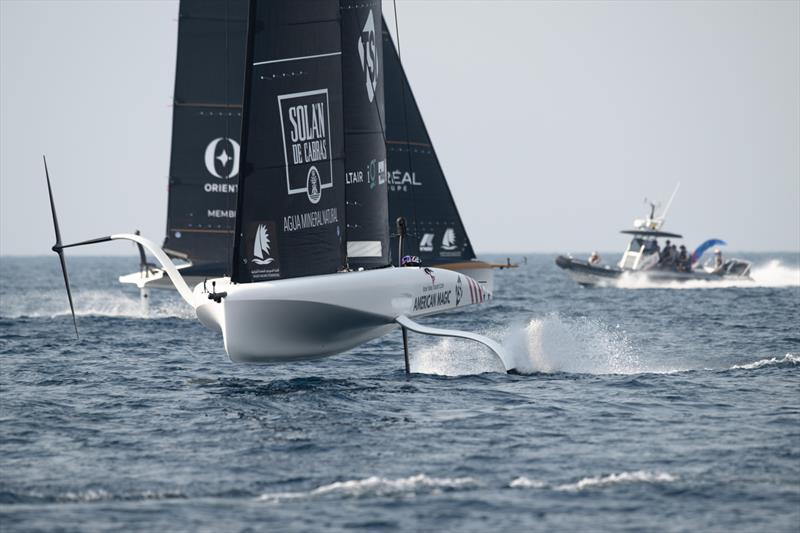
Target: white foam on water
[378, 486]
[770, 274]
[639, 476]
[92, 303]
[452, 357]
[523, 482]
[90, 495]
[788, 359]
[576, 345]
[550, 344]
[97, 495]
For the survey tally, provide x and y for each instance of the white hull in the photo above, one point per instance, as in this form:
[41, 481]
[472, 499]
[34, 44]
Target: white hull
[481, 272]
[311, 317]
[156, 278]
[317, 316]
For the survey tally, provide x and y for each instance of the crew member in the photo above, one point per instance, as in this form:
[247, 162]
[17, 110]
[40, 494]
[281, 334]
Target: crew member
[684, 263]
[665, 256]
[718, 260]
[594, 259]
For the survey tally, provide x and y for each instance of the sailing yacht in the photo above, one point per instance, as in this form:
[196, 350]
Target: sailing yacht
[205, 159]
[310, 269]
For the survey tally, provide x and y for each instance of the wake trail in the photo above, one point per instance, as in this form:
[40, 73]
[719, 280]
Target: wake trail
[98, 303]
[772, 274]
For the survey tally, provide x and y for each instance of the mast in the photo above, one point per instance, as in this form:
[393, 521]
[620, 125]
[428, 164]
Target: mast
[206, 124]
[418, 190]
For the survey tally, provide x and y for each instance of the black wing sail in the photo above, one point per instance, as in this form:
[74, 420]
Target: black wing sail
[206, 126]
[291, 204]
[365, 162]
[418, 190]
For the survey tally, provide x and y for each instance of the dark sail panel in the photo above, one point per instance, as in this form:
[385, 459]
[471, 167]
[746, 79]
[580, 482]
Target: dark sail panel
[290, 220]
[418, 190]
[365, 162]
[206, 127]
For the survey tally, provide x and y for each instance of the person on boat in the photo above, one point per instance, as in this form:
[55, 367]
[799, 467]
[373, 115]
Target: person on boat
[683, 262]
[666, 257]
[656, 249]
[594, 259]
[718, 262]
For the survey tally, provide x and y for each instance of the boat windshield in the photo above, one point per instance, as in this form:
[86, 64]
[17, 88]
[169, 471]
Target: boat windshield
[646, 246]
[641, 253]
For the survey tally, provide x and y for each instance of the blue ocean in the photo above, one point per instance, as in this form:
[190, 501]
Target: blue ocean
[645, 408]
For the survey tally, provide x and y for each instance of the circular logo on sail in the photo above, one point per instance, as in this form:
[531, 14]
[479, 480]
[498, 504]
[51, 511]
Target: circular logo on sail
[313, 187]
[222, 158]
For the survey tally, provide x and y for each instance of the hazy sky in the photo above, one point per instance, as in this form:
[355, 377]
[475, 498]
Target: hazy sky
[552, 121]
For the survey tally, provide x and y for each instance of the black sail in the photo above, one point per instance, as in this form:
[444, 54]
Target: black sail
[365, 159]
[418, 189]
[291, 204]
[206, 127]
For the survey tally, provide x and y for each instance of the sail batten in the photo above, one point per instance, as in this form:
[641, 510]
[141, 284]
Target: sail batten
[300, 58]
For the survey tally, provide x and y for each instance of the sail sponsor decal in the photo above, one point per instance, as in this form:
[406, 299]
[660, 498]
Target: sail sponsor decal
[434, 295]
[367, 53]
[264, 260]
[221, 213]
[222, 158]
[449, 246]
[401, 180]
[449, 239]
[311, 219]
[426, 242]
[376, 173]
[230, 188]
[373, 174]
[305, 126]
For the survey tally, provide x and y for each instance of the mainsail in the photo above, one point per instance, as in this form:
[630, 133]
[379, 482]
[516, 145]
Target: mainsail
[206, 126]
[418, 190]
[311, 88]
[365, 162]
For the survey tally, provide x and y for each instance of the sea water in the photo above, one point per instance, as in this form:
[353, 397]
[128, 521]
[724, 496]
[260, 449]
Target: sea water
[641, 408]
